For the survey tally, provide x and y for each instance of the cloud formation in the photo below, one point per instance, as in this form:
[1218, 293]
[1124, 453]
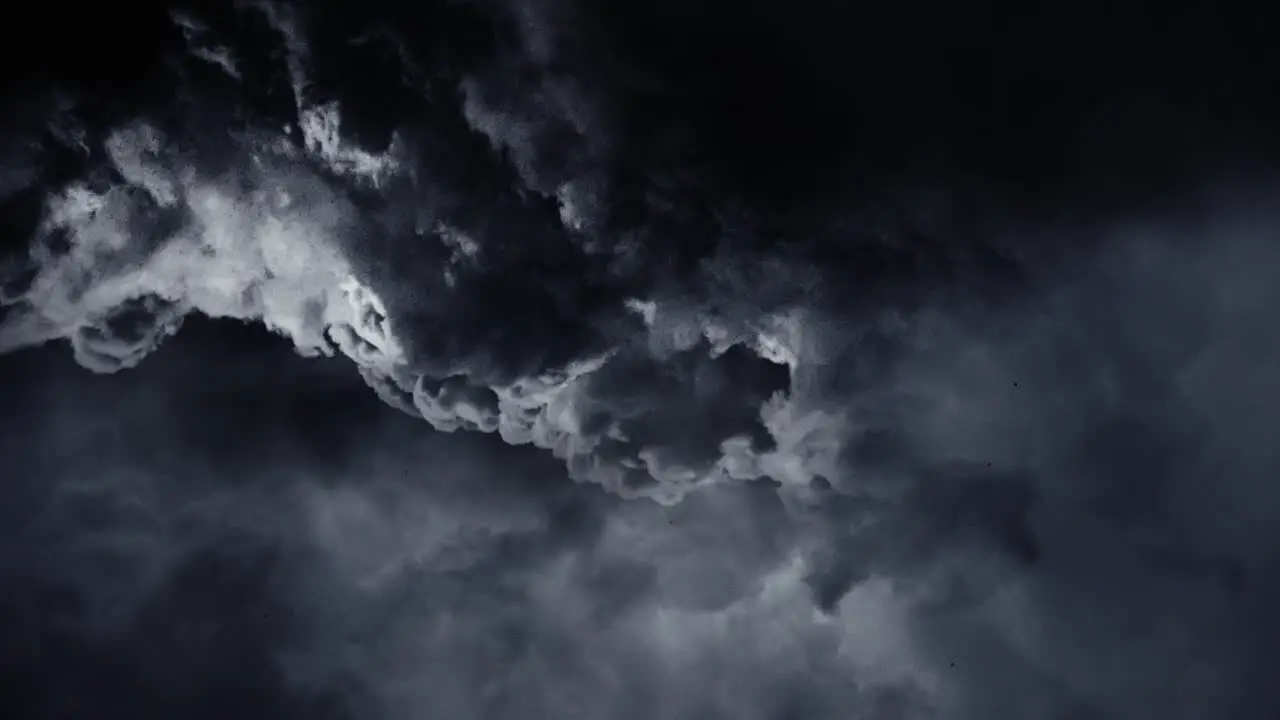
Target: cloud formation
[963, 439]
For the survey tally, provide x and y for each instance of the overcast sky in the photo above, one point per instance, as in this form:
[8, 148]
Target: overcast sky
[582, 359]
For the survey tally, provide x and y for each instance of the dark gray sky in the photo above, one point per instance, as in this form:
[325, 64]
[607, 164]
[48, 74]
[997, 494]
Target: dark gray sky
[573, 359]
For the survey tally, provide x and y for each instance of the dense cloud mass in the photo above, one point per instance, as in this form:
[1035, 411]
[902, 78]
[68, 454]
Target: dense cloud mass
[758, 362]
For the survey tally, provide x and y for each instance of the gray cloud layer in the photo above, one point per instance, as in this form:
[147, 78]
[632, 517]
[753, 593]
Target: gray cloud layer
[922, 448]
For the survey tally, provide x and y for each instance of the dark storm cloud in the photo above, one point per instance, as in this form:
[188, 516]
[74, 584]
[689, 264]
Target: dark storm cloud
[957, 362]
[172, 541]
[185, 543]
[509, 273]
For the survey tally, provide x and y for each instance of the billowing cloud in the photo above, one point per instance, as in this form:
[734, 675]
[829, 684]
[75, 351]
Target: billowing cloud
[482, 308]
[926, 442]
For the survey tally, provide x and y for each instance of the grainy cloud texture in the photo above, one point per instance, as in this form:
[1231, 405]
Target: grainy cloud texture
[752, 361]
